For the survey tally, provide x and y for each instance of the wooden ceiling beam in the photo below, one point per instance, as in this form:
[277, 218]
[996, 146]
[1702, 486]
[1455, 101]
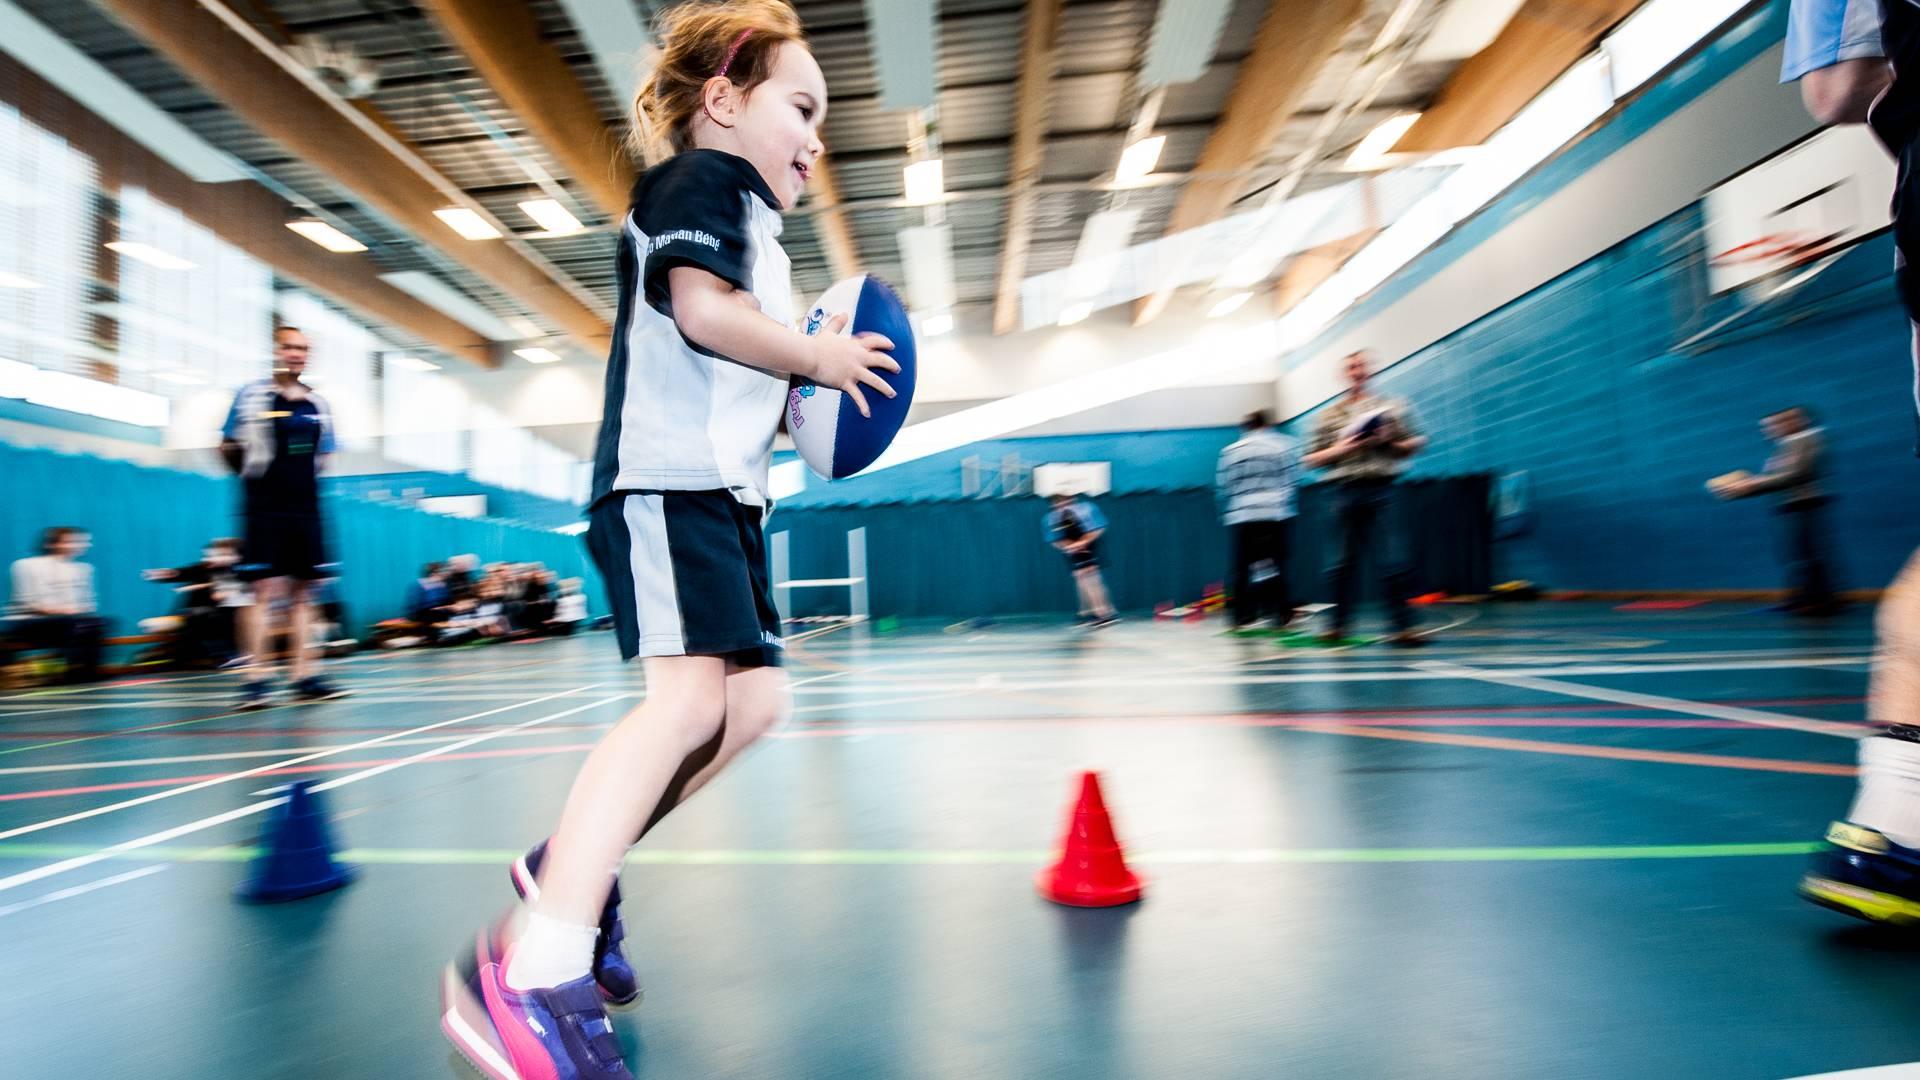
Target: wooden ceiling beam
[233, 63]
[1038, 61]
[1311, 268]
[501, 38]
[1543, 40]
[1293, 43]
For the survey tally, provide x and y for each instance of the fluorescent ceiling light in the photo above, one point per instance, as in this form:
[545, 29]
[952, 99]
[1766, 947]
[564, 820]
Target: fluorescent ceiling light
[552, 216]
[937, 323]
[179, 378]
[453, 303]
[1464, 28]
[537, 355]
[1230, 305]
[1372, 152]
[152, 256]
[926, 255]
[1137, 161]
[1103, 239]
[1074, 313]
[900, 38]
[621, 46]
[1186, 34]
[926, 181]
[524, 327]
[467, 223]
[15, 281]
[412, 363]
[326, 236]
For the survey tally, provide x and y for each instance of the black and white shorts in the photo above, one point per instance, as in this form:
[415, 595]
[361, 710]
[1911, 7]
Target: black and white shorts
[686, 575]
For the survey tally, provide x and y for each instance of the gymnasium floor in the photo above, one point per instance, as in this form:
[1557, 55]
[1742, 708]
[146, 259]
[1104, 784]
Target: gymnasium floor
[1562, 842]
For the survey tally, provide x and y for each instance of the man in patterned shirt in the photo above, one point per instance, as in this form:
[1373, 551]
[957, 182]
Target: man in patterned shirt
[1364, 442]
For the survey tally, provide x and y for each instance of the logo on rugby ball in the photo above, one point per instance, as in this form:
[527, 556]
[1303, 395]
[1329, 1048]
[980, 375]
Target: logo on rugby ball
[800, 392]
[814, 319]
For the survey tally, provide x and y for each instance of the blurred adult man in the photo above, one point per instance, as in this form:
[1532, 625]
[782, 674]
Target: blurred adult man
[276, 437]
[1256, 477]
[1795, 472]
[1365, 442]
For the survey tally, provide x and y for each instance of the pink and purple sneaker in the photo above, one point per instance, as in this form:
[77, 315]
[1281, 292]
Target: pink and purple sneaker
[560, 1033]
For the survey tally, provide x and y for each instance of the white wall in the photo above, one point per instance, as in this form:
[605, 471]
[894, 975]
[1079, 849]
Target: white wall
[1747, 117]
[562, 402]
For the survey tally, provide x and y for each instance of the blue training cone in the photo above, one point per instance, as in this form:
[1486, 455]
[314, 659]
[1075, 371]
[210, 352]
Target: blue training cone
[296, 853]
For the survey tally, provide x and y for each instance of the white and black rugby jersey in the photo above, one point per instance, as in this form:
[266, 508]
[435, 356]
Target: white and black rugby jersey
[677, 417]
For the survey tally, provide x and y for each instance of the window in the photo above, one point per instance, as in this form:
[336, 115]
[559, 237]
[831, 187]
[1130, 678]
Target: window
[194, 310]
[47, 235]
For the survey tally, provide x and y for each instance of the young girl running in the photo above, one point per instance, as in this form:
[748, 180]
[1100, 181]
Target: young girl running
[702, 349]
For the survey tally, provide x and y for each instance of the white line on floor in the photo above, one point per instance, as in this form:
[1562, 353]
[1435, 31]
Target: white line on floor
[1683, 706]
[81, 890]
[1908, 1071]
[1418, 672]
[184, 789]
[229, 755]
[39, 873]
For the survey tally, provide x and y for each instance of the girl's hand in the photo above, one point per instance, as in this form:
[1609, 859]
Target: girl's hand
[845, 363]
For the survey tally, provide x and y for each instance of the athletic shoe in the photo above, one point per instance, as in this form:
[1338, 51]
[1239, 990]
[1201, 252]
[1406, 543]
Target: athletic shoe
[463, 1011]
[1864, 874]
[1106, 621]
[255, 695]
[557, 1033]
[617, 980]
[317, 688]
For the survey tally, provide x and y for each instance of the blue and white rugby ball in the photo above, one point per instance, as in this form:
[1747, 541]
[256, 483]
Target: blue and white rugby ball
[832, 437]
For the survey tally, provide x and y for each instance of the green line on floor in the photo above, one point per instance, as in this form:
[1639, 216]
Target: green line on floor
[894, 857]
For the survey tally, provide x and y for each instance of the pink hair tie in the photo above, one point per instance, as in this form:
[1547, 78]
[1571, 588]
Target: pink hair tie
[732, 51]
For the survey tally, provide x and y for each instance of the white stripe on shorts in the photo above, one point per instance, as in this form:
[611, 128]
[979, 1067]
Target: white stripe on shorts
[656, 599]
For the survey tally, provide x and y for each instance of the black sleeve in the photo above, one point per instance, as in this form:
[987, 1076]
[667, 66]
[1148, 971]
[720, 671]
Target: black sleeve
[693, 212]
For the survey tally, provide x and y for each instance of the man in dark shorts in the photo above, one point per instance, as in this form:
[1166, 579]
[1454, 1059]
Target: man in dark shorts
[1859, 61]
[275, 437]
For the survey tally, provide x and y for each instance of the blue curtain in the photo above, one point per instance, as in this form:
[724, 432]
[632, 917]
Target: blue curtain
[964, 558]
[143, 517]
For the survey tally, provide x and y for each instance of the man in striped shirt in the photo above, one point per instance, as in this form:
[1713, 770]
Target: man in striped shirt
[1256, 479]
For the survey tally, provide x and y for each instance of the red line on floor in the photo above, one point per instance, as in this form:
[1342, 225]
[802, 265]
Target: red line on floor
[1449, 711]
[1319, 722]
[1616, 753]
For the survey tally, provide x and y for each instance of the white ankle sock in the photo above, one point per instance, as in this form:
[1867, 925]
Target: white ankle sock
[1889, 796]
[549, 953]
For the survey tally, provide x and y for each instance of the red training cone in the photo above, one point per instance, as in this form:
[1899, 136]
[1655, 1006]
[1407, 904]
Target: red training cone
[1091, 871]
